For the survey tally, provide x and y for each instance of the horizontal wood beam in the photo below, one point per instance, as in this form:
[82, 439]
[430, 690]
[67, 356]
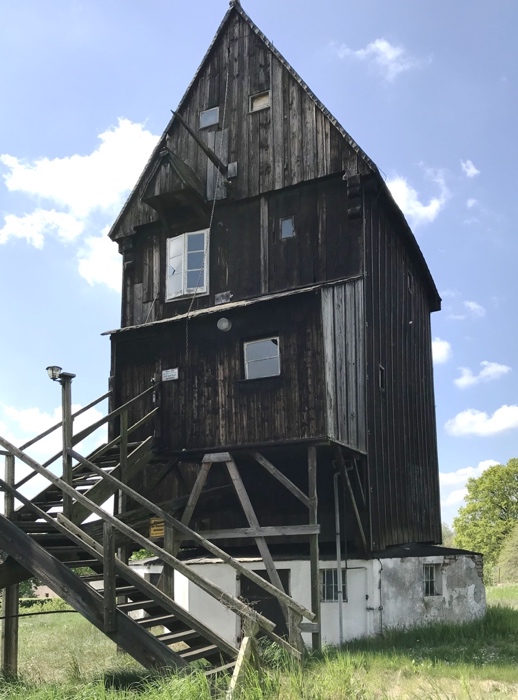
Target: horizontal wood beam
[278, 531]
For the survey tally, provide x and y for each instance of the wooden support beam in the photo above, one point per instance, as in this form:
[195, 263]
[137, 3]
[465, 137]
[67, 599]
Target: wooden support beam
[246, 504]
[67, 431]
[109, 592]
[345, 476]
[281, 478]
[208, 152]
[274, 531]
[246, 658]
[10, 595]
[313, 545]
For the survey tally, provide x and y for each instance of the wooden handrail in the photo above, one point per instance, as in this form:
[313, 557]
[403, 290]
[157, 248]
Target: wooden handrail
[58, 425]
[231, 602]
[91, 428]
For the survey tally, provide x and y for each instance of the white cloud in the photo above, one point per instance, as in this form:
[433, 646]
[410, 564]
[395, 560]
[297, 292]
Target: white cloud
[474, 422]
[469, 169]
[100, 262]
[85, 183]
[475, 309]
[407, 198]
[471, 202]
[390, 60]
[441, 351]
[36, 226]
[458, 479]
[489, 372]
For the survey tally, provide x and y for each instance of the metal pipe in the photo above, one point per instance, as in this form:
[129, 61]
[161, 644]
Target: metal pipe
[338, 561]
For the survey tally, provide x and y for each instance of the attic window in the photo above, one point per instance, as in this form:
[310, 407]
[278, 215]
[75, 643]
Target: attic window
[209, 117]
[287, 227]
[260, 101]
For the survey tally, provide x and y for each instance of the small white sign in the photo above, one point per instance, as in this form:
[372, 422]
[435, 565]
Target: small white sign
[169, 374]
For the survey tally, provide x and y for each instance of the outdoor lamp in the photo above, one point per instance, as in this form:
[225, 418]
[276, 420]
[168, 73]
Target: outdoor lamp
[54, 371]
[224, 324]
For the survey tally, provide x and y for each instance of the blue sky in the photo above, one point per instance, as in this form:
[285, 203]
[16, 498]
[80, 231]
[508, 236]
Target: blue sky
[429, 91]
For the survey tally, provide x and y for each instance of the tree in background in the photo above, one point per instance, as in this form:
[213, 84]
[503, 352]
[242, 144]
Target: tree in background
[490, 513]
[447, 535]
[508, 559]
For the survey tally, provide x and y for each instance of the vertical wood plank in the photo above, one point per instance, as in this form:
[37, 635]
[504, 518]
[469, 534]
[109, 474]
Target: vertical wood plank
[11, 593]
[313, 545]
[264, 245]
[67, 430]
[109, 593]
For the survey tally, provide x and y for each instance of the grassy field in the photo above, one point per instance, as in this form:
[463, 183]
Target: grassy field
[62, 657]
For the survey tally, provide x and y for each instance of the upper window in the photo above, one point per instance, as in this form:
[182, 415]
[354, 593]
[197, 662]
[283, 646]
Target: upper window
[209, 117]
[186, 264]
[262, 358]
[260, 101]
[287, 227]
[432, 580]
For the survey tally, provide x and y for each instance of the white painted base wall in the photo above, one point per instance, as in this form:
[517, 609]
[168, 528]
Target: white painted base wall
[381, 593]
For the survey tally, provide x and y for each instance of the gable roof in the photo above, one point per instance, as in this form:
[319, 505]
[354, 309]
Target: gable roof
[236, 8]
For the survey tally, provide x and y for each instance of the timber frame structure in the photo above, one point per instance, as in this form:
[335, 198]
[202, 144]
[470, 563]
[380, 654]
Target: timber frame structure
[271, 384]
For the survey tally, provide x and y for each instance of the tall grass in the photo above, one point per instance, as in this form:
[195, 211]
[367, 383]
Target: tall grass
[62, 657]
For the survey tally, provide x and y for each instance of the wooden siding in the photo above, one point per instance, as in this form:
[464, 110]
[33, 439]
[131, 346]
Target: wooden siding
[343, 322]
[211, 405]
[247, 255]
[290, 142]
[402, 461]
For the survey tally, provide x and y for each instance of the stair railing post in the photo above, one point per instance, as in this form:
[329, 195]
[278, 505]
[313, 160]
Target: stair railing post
[109, 592]
[10, 594]
[65, 379]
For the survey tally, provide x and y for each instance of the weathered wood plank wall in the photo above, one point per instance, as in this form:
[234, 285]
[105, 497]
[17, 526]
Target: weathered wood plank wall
[287, 143]
[211, 405]
[402, 460]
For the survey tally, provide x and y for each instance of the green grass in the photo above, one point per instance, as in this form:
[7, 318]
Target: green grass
[62, 657]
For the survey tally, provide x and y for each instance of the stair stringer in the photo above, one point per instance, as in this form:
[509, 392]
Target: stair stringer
[141, 645]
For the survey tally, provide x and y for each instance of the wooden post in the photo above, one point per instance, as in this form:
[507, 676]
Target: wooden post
[171, 545]
[313, 545]
[66, 402]
[109, 593]
[9, 594]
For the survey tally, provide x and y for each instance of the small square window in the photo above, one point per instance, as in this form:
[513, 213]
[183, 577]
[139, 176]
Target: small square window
[329, 585]
[209, 117]
[432, 580]
[262, 358]
[260, 101]
[287, 227]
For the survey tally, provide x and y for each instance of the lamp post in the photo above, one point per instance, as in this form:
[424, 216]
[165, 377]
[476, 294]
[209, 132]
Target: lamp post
[65, 379]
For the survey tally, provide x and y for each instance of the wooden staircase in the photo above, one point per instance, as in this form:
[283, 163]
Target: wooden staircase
[47, 537]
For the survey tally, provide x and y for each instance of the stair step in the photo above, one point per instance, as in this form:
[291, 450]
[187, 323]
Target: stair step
[80, 563]
[136, 605]
[155, 621]
[175, 637]
[201, 653]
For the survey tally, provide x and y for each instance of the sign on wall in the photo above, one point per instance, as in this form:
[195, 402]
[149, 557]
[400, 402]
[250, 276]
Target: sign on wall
[169, 374]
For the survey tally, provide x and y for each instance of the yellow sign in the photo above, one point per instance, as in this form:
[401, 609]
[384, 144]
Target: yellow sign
[156, 528]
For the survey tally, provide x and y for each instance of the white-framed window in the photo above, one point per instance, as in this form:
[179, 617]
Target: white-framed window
[329, 585]
[432, 580]
[209, 117]
[260, 100]
[287, 226]
[262, 358]
[187, 269]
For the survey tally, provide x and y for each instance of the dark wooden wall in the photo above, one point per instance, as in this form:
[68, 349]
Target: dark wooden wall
[211, 405]
[290, 142]
[247, 255]
[402, 447]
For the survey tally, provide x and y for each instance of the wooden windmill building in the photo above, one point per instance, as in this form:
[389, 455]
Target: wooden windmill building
[276, 324]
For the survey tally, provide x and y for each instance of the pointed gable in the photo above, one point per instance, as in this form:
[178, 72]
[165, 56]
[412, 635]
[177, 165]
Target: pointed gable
[270, 127]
